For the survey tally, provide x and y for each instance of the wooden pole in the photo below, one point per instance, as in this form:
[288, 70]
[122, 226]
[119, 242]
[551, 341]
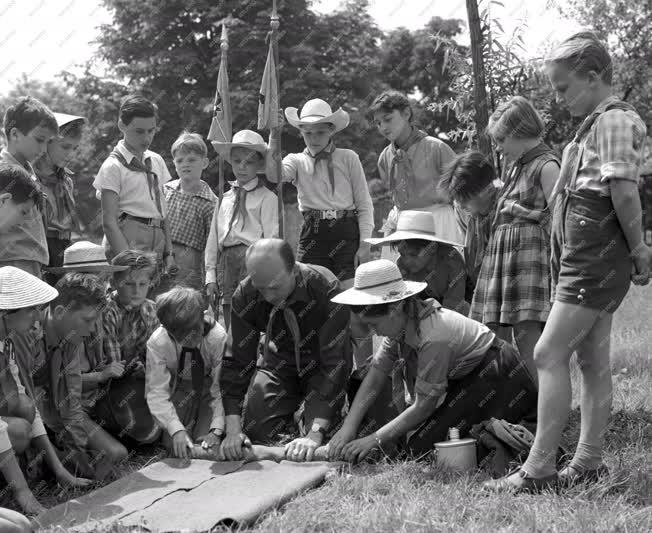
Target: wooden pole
[275, 23]
[224, 48]
[479, 84]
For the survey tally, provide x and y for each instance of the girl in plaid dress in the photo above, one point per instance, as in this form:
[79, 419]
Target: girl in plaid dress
[513, 287]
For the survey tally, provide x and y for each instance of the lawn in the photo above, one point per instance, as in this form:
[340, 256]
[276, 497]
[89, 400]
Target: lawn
[409, 496]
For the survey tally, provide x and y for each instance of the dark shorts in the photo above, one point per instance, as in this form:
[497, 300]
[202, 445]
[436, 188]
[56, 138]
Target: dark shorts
[231, 270]
[56, 247]
[591, 262]
[331, 244]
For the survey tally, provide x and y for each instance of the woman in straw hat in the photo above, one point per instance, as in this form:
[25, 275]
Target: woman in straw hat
[21, 297]
[457, 371]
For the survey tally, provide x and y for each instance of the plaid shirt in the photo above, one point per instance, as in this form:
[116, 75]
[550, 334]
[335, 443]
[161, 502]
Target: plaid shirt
[613, 149]
[189, 215]
[126, 331]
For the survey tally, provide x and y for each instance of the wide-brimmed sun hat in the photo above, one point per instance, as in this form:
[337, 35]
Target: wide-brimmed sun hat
[243, 139]
[85, 256]
[64, 119]
[19, 289]
[317, 112]
[413, 225]
[378, 282]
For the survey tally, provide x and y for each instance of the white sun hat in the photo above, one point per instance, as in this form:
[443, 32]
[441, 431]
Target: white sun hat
[64, 119]
[19, 289]
[414, 225]
[85, 256]
[378, 282]
[317, 111]
[243, 139]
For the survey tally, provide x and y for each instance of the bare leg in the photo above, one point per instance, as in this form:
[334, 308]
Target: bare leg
[226, 309]
[19, 431]
[14, 477]
[13, 522]
[110, 450]
[526, 335]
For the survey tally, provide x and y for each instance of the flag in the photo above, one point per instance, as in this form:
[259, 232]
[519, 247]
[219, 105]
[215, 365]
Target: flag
[221, 127]
[268, 104]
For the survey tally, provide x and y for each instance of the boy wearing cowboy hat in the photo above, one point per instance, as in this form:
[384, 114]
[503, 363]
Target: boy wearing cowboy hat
[425, 256]
[457, 371]
[332, 191]
[248, 212]
[130, 186]
[56, 181]
[28, 126]
[21, 296]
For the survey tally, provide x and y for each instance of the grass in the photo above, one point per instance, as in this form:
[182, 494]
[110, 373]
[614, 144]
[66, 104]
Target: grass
[409, 496]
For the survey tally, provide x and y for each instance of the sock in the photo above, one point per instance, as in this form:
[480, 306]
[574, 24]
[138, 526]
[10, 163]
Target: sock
[587, 457]
[540, 463]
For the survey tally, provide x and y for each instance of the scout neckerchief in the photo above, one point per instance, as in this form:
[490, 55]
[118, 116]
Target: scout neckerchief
[240, 203]
[63, 194]
[327, 155]
[401, 174]
[146, 167]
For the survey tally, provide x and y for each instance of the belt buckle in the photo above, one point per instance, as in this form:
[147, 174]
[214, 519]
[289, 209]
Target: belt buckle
[330, 214]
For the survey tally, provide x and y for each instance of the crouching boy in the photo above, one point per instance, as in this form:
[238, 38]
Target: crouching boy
[182, 372]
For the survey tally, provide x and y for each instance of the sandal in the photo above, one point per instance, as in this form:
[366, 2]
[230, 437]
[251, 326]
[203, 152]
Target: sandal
[518, 481]
[571, 475]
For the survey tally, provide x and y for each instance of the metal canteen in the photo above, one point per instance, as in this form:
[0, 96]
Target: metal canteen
[455, 453]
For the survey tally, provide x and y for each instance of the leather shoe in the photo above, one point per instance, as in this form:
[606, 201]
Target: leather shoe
[518, 481]
[570, 475]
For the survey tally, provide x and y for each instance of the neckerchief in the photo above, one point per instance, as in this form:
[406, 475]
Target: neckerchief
[401, 173]
[240, 204]
[146, 167]
[293, 325]
[327, 155]
[63, 195]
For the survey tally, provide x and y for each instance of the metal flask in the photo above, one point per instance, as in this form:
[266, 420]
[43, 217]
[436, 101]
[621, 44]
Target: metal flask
[455, 453]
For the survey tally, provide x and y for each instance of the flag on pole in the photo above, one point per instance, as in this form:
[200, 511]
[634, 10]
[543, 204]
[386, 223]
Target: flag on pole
[221, 126]
[268, 104]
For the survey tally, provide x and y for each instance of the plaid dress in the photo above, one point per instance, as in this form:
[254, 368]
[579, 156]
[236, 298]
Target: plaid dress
[514, 280]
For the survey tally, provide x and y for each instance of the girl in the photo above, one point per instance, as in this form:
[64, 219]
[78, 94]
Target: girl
[457, 371]
[597, 244]
[513, 286]
[412, 165]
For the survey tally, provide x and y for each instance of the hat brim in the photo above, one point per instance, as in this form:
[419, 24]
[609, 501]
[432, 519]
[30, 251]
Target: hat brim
[340, 119]
[410, 236]
[89, 269]
[64, 119]
[378, 296]
[42, 294]
[224, 149]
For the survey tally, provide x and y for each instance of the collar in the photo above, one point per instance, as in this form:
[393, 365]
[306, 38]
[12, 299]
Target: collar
[127, 309]
[602, 106]
[249, 186]
[329, 149]
[8, 157]
[128, 155]
[533, 153]
[424, 308]
[203, 192]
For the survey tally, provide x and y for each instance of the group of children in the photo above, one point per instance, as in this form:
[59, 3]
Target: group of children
[95, 365]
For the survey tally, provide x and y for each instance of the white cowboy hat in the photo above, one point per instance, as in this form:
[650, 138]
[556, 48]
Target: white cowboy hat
[414, 225]
[317, 112]
[64, 119]
[84, 256]
[378, 282]
[243, 139]
[19, 289]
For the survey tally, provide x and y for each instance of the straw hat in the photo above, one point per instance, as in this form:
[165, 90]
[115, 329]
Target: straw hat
[243, 139]
[317, 112]
[64, 119]
[19, 289]
[414, 225]
[378, 282]
[84, 256]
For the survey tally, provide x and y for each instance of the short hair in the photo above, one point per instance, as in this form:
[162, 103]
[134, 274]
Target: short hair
[468, 175]
[15, 180]
[582, 53]
[136, 106]
[284, 251]
[72, 129]
[189, 143]
[77, 290]
[516, 117]
[388, 101]
[135, 260]
[180, 310]
[29, 113]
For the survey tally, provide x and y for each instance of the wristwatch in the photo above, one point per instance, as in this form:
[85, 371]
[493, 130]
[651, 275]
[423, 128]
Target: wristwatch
[316, 428]
[218, 432]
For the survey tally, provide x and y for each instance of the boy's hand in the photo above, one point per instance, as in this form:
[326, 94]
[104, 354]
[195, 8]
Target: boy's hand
[233, 444]
[115, 369]
[303, 448]
[363, 255]
[66, 479]
[642, 258]
[28, 502]
[181, 444]
[210, 440]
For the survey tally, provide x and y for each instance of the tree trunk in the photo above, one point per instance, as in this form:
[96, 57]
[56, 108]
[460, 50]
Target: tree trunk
[479, 86]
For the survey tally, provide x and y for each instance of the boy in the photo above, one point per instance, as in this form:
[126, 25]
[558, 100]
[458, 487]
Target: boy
[19, 196]
[129, 319]
[190, 208]
[56, 181]
[71, 318]
[21, 296]
[183, 364]
[28, 126]
[332, 192]
[248, 212]
[130, 186]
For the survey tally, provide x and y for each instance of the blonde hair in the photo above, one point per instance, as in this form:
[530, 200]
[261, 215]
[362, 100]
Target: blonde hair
[583, 53]
[179, 310]
[516, 117]
[189, 143]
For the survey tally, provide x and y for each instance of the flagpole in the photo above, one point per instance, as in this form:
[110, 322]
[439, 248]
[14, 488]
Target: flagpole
[275, 23]
[224, 48]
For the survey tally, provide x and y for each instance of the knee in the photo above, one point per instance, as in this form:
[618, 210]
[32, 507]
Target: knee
[26, 408]
[116, 453]
[547, 356]
[17, 523]
[19, 434]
